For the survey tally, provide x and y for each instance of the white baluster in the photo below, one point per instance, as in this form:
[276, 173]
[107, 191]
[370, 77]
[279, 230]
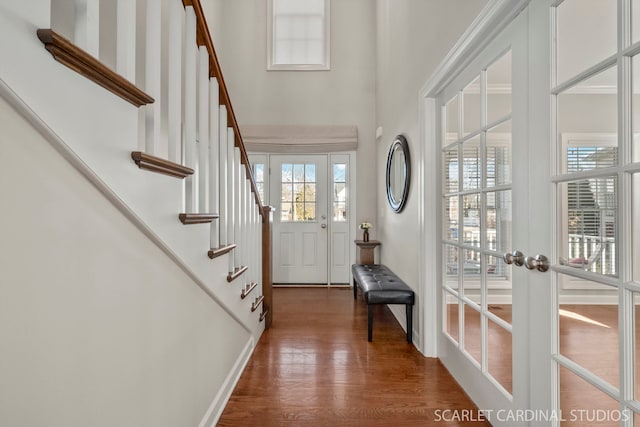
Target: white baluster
[242, 258]
[189, 119]
[247, 223]
[224, 175]
[174, 81]
[236, 204]
[245, 217]
[231, 196]
[203, 128]
[86, 32]
[214, 156]
[126, 39]
[152, 72]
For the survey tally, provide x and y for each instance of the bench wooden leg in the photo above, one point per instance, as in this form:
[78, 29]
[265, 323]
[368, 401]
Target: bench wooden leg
[369, 322]
[409, 323]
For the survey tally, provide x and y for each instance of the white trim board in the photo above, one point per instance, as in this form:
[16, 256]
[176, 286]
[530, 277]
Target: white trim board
[214, 412]
[495, 16]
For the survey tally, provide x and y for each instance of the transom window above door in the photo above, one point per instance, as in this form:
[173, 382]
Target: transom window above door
[298, 35]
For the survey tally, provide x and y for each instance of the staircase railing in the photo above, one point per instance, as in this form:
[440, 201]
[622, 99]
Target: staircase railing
[162, 60]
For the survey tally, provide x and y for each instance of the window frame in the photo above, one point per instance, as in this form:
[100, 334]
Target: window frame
[325, 66]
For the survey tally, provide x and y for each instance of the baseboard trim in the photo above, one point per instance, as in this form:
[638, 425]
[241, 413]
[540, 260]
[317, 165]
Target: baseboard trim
[214, 412]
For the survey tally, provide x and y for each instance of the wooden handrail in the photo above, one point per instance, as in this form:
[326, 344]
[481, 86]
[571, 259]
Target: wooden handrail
[204, 39]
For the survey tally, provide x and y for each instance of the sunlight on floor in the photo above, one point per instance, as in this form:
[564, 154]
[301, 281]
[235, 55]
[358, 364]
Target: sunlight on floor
[576, 316]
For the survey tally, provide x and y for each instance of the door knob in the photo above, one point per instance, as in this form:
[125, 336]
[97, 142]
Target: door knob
[539, 262]
[515, 257]
[323, 225]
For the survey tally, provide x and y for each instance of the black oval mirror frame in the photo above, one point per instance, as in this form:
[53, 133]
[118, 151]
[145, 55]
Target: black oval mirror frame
[399, 143]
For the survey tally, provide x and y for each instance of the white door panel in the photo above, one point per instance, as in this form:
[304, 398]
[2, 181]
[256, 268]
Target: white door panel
[298, 190]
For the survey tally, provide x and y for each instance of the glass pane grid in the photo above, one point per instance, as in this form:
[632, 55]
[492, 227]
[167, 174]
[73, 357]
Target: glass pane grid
[340, 192]
[476, 202]
[298, 192]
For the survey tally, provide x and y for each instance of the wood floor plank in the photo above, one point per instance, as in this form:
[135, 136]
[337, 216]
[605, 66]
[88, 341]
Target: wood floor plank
[314, 367]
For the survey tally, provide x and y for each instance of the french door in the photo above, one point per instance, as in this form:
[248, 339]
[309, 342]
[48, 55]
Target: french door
[540, 242]
[488, 213]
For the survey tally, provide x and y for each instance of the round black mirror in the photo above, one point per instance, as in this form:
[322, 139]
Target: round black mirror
[398, 173]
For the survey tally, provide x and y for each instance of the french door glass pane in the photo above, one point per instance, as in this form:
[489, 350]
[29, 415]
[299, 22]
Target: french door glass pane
[471, 269]
[450, 257]
[451, 121]
[471, 219]
[472, 333]
[451, 218]
[499, 288]
[471, 106]
[589, 331]
[635, 225]
[635, 19]
[451, 322]
[451, 178]
[471, 165]
[498, 155]
[588, 123]
[499, 89]
[498, 221]
[586, 35]
[582, 404]
[636, 101]
[636, 344]
[590, 228]
[499, 361]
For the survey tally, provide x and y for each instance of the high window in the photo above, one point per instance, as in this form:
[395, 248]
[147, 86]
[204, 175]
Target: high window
[298, 35]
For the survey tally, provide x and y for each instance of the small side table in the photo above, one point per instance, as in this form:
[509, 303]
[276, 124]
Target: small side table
[366, 256]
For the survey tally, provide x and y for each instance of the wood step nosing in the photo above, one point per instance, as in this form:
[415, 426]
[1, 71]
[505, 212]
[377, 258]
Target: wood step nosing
[197, 218]
[257, 303]
[69, 54]
[214, 253]
[156, 164]
[233, 275]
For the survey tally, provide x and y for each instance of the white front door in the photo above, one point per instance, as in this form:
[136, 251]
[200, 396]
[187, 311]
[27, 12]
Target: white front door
[298, 190]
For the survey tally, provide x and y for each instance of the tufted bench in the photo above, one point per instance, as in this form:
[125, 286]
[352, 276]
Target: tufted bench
[381, 286]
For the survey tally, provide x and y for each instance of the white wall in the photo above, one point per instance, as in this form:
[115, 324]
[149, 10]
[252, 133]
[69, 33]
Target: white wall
[98, 326]
[413, 36]
[345, 95]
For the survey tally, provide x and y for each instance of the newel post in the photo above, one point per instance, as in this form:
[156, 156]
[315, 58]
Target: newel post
[267, 226]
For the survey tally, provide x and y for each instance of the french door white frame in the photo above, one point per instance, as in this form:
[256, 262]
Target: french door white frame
[532, 385]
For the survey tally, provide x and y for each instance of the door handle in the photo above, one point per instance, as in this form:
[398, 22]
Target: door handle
[539, 262]
[515, 257]
[323, 225]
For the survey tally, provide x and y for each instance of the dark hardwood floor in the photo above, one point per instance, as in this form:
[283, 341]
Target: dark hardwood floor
[314, 367]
